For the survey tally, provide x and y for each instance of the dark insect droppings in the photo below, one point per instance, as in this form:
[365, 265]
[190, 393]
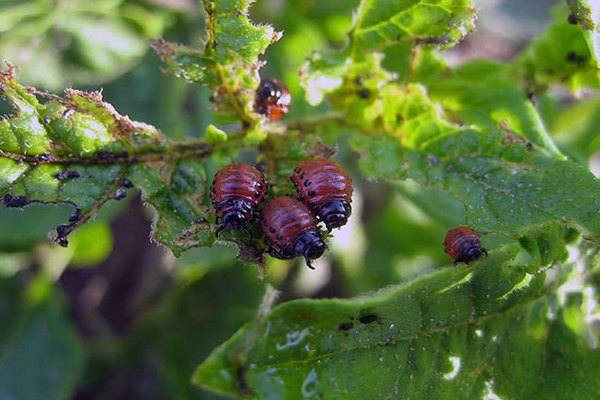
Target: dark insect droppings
[529, 146]
[368, 319]
[364, 94]
[572, 19]
[120, 194]
[573, 57]
[62, 230]
[45, 157]
[346, 326]
[75, 215]
[126, 183]
[61, 176]
[18, 201]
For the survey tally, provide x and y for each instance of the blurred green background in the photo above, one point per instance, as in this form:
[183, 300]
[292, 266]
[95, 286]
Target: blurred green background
[114, 316]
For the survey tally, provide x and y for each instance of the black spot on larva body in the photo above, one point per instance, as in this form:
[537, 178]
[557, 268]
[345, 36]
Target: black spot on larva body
[307, 183]
[364, 94]
[346, 326]
[311, 192]
[271, 229]
[368, 319]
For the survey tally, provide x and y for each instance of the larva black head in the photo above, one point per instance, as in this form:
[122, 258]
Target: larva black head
[234, 216]
[272, 99]
[310, 245]
[234, 219]
[335, 213]
[471, 250]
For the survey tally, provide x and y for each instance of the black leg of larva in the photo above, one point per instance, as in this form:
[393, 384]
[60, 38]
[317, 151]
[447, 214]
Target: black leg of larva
[245, 229]
[484, 251]
[219, 229]
[308, 263]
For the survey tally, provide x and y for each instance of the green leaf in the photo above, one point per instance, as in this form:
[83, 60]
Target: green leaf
[196, 301]
[587, 14]
[480, 93]
[176, 194]
[354, 74]
[486, 330]
[560, 55]
[228, 64]
[577, 127]
[92, 244]
[41, 355]
[77, 43]
[379, 23]
[80, 151]
[506, 184]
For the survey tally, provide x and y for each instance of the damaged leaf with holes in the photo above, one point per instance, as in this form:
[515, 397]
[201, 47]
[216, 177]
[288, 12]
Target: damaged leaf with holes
[229, 62]
[506, 183]
[566, 53]
[355, 73]
[478, 331]
[78, 150]
[586, 13]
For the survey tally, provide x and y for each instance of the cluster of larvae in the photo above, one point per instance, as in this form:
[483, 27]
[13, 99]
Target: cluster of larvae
[324, 194]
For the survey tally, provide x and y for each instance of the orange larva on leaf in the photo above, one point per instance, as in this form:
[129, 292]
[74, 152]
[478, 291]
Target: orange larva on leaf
[272, 99]
[463, 244]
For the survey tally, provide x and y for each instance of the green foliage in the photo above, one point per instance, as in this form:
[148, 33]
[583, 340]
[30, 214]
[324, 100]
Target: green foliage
[563, 54]
[577, 127]
[587, 15]
[477, 330]
[229, 62]
[429, 145]
[381, 23]
[79, 151]
[500, 177]
[40, 351]
[61, 39]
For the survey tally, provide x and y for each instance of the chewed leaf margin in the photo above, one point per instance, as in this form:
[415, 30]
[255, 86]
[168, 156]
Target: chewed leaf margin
[229, 62]
[80, 151]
